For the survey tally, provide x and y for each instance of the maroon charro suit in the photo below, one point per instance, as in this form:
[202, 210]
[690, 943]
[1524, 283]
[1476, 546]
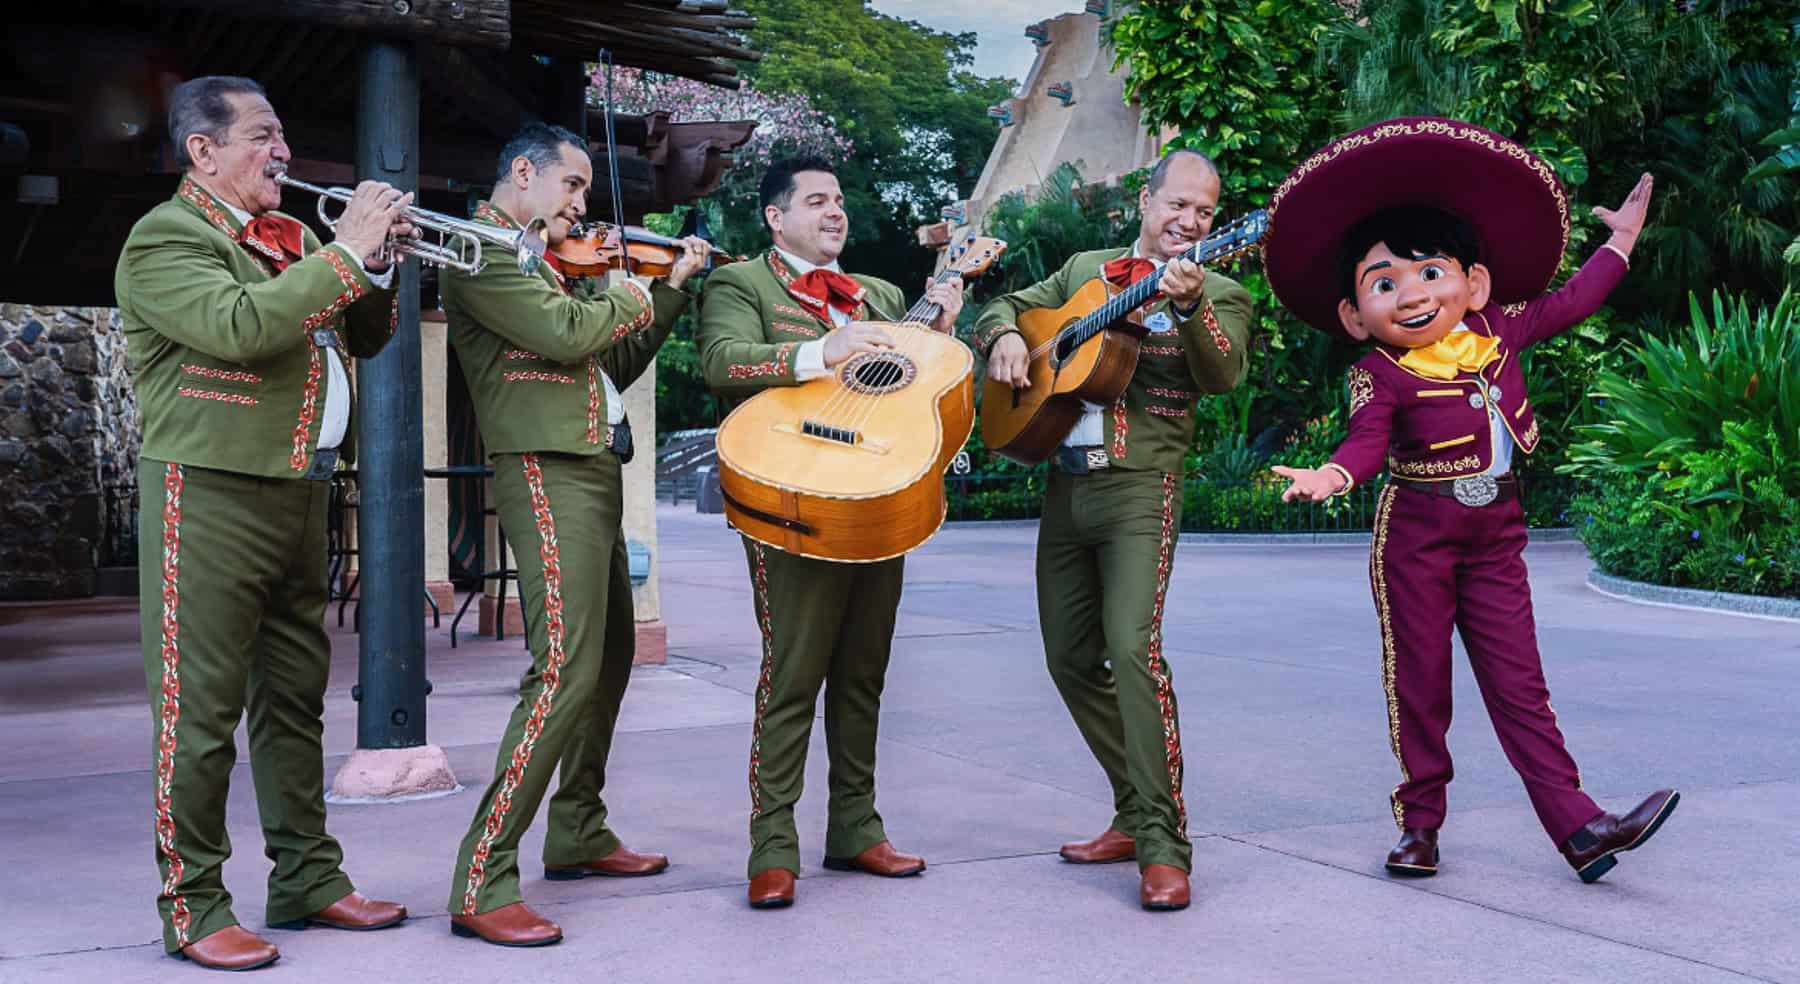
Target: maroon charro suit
[1436, 562]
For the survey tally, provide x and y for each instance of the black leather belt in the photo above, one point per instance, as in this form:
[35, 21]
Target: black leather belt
[1080, 460]
[1473, 490]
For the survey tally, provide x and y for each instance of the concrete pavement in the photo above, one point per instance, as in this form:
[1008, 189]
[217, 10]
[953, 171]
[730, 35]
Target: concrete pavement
[1275, 659]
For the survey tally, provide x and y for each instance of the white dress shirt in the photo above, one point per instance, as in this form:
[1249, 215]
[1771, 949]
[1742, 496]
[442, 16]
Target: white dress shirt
[337, 381]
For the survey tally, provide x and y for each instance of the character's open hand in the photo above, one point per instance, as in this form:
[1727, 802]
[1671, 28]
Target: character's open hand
[1628, 220]
[1314, 484]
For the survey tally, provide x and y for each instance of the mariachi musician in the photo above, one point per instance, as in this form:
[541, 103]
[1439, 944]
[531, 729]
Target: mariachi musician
[1113, 506]
[545, 362]
[780, 320]
[240, 328]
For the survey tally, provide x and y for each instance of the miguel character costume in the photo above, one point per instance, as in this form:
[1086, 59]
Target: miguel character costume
[1106, 543]
[824, 623]
[545, 362]
[240, 331]
[1440, 404]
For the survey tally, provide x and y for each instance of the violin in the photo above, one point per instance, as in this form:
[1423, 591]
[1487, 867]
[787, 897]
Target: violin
[596, 247]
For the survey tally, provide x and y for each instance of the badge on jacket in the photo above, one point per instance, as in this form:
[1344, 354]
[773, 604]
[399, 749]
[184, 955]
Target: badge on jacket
[1160, 322]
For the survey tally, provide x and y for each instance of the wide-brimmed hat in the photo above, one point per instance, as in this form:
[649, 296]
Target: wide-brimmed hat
[1506, 193]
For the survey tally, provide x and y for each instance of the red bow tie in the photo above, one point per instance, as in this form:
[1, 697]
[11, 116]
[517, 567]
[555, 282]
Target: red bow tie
[829, 287]
[275, 238]
[1127, 270]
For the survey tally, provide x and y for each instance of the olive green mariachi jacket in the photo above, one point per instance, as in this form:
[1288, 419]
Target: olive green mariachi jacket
[751, 325]
[1151, 425]
[227, 356]
[532, 351]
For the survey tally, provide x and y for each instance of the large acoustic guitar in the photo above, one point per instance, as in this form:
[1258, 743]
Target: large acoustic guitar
[850, 466]
[1085, 351]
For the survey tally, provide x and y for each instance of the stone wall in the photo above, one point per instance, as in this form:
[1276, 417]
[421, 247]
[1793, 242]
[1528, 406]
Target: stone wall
[68, 451]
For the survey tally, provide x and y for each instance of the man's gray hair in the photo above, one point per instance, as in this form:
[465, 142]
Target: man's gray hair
[539, 143]
[1162, 167]
[199, 106]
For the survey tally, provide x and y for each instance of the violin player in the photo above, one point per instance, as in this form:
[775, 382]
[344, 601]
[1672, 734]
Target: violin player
[545, 362]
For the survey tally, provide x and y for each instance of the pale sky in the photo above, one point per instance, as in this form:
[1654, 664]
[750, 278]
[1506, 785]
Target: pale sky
[1004, 49]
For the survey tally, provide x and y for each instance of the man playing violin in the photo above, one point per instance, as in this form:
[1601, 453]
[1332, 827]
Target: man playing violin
[545, 362]
[791, 316]
[1112, 508]
[240, 328]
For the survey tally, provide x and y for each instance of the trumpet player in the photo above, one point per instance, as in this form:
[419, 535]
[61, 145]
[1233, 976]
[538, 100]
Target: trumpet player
[239, 326]
[545, 360]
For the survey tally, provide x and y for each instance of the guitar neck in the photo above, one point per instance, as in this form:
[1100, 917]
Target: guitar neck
[1133, 297]
[925, 311]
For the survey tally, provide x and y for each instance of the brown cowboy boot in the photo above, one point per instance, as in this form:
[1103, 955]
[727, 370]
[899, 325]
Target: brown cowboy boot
[1416, 856]
[1590, 850]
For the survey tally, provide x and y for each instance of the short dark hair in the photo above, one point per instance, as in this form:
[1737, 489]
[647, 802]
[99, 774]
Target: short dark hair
[778, 183]
[539, 143]
[1414, 231]
[199, 106]
[1161, 172]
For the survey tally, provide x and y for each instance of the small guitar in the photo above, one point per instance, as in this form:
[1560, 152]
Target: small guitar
[849, 466]
[1085, 351]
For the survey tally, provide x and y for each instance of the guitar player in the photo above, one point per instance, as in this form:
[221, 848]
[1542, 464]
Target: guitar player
[1112, 508]
[780, 320]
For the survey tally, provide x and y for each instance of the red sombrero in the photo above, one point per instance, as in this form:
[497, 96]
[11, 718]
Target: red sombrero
[1510, 197]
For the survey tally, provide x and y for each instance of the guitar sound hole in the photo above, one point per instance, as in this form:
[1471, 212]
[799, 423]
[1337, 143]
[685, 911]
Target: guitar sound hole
[878, 372]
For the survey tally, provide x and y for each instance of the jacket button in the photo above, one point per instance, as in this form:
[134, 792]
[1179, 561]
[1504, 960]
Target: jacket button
[1476, 401]
[1494, 393]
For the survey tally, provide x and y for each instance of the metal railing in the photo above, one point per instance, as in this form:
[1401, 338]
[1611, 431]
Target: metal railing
[1233, 507]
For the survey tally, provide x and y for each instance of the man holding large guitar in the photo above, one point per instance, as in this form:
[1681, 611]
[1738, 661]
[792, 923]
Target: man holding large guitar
[1113, 505]
[788, 317]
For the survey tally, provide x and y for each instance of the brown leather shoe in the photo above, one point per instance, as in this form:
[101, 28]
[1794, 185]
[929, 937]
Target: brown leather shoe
[623, 862]
[1164, 888]
[1590, 850]
[772, 889]
[509, 925]
[881, 860]
[231, 948]
[1104, 849]
[353, 911]
[1416, 856]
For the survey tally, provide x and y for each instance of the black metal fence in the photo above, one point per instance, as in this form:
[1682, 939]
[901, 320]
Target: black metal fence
[1233, 507]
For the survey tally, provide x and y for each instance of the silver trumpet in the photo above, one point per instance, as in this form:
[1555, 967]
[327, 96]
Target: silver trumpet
[457, 243]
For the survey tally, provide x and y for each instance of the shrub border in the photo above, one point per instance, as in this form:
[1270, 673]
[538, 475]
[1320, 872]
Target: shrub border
[1723, 602]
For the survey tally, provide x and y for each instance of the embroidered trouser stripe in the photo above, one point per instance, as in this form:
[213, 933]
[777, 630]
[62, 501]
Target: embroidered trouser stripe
[561, 514]
[1105, 553]
[1378, 585]
[829, 626]
[180, 918]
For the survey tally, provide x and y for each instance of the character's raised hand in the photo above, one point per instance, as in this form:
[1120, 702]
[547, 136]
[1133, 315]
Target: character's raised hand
[1628, 220]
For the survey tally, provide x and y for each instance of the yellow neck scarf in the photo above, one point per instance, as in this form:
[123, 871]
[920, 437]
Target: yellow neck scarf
[1457, 352]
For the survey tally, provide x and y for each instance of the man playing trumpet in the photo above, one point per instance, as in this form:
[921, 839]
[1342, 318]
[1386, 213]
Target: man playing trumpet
[239, 327]
[545, 362]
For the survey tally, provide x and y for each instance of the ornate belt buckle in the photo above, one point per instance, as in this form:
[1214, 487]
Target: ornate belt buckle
[1096, 459]
[1475, 490]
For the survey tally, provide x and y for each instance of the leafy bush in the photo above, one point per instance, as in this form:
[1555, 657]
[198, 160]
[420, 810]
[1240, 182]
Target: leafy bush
[1699, 465]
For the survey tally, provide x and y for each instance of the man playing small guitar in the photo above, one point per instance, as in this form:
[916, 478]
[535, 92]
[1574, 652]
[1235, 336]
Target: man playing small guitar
[791, 316]
[1112, 508]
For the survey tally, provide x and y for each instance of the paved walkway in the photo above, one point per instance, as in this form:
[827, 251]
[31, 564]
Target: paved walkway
[1285, 739]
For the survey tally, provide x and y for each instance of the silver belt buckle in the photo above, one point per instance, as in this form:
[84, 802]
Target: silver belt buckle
[1097, 459]
[1475, 490]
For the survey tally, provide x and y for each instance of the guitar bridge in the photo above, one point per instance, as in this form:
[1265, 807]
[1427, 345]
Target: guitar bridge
[842, 435]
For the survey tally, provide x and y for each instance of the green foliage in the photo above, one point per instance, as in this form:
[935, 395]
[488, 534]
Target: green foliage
[1239, 81]
[1703, 442]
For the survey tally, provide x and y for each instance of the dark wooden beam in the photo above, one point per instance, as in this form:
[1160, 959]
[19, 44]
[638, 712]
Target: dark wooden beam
[480, 23]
